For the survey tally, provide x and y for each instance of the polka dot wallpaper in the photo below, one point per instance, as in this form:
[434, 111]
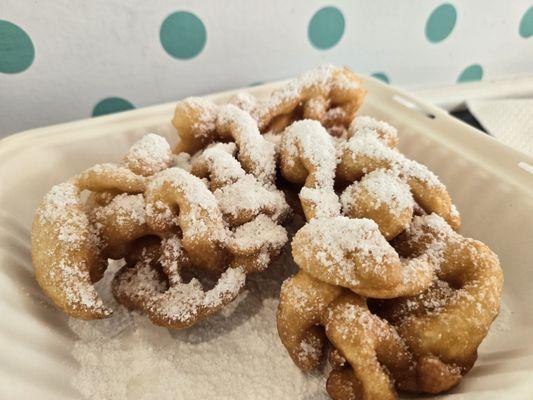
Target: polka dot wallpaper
[441, 22]
[71, 59]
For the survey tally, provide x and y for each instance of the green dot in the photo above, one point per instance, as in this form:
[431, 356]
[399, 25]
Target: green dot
[326, 28]
[441, 23]
[183, 35]
[471, 73]
[16, 48]
[111, 105]
[526, 24]
[381, 76]
[258, 83]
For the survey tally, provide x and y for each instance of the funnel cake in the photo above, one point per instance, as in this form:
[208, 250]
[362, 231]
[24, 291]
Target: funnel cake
[201, 122]
[368, 150]
[240, 196]
[327, 94]
[367, 350]
[67, 250]
[352, 253]
[307, 156]
[377, 351]
[161, 219]
[386, 285]
[414, 288]
[467, 294]
[424, 342]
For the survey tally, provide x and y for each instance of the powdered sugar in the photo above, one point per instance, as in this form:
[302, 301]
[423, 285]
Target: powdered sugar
[182, 160]
[200, 214]
[141, 283]
[274, 138]
[173, 257]
[325, 203]
[65, 229]
[434, 222]
[221, 166]
[204, 112]
[292, 91]
[308, 144]
[342, 235]
[149, 155]
[58, 200]
[245, 101]
[309, 349]
[368, 145]
[69, 232]
[161, 213]
[76, 286]
[367, 125]
[431, 302]
[254, 151]
[124, 208]
[414, 270]
[331, 241]
[309, 141]
[228, 356]
[384, 188]
[413, 169]
[183, 182]
[248, 197]
[260, 233]
[359, 319]
[228, 286]
[182, 302]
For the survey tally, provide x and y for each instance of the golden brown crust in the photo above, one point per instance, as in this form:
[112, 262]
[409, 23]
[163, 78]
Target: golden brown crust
[200, 122]
[160, 220]
[307, 156]
[153, 286]
[327, 94]
[366, 152]
[457, 311]
[382, 197]
[218, 210]
[65, 254]
[353, 254]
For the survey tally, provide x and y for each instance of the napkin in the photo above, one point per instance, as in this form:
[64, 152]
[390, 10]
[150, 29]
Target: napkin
[509, 120]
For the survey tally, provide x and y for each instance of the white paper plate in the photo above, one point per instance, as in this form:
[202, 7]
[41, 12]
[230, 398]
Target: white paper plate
[493, 193]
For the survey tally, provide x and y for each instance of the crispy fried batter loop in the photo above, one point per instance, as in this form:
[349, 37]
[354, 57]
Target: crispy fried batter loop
[162, 220]
[401, 300]
[327, 94]
[425, 342]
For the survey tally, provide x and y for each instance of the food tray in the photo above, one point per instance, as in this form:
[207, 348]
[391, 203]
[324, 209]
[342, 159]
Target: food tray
[491, 184]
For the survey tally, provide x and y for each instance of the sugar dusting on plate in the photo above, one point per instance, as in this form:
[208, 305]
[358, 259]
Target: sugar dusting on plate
[234, 354]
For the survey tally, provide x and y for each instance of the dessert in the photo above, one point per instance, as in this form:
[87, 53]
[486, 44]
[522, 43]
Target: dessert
[161, 220]
[386, 286]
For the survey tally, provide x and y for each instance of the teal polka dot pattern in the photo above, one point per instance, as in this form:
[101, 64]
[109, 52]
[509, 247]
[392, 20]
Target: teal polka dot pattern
[16, 48]
[526, 24]
[381, 76]
[441, 22]
[183, 35]
[471, 73]
[326, 28]
[111, 105]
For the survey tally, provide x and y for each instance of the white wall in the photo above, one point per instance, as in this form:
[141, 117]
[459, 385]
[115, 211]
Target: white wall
[86, 51]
